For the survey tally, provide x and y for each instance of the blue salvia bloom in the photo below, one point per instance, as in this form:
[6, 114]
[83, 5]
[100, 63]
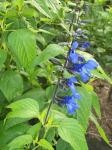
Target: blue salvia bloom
[70, 104]
[70, 83]
[84, 69]
[73, 56]
[74, 46]
[86, 45]
[81, 67]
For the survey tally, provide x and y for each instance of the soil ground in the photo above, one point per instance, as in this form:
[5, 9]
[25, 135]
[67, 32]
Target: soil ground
[104, 91]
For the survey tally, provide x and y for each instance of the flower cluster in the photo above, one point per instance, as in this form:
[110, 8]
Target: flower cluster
[80, 68]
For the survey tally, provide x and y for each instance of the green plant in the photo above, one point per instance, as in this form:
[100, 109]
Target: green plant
[37, 53]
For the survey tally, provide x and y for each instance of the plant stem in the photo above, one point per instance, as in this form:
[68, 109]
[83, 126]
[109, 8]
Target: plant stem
[59, 79]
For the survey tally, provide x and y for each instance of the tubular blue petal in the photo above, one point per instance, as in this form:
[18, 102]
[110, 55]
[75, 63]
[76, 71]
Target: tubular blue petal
[72, 80]
[73, 57]
[77, 96]
[86, 45]
[77, 67]
[72, 108]
[70, 83]
[84, 76]
[70, 103]
[73, 90]
[91, 64]
[75, 44]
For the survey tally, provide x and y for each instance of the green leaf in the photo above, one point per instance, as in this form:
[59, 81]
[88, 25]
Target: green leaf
[99, 73]
[50, 51]
[63, 145]
[104, 75]
[3, 56]
[11, 84]
[22, 44]
[20, 142]
[38, 94]
[45, 144]
[14, 131]
[85, 104]
[71, 132]
[18, 3]
[96, 104]
[100, 130]
[50, 91]
[24, 108]
[41, 39]
[50, 135]
[29, 12]
[38, 5]
[34, 130]
[10, 122]
[48, 8]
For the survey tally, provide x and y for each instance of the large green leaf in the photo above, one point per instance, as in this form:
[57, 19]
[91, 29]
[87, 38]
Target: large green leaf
[50, 51]
[48, 8]
[38, 94]
[24, 108]
[10, 122]
[63, 145]
[71, 132]
[11, 84]
[34, 130]
[39, 6]
[50, 135]
[20, 142]
[7, 135]
[45, 144]
[85, 104]
[3, 56]
[22, 44]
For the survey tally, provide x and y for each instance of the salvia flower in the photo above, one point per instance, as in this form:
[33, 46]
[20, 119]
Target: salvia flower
[74, 46]
[78, 66]
[84, 69]
[86, 45]
[70, 103]
[73, 56]
[70, 84]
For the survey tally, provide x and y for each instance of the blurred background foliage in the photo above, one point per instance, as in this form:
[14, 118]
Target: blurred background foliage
[99, 25]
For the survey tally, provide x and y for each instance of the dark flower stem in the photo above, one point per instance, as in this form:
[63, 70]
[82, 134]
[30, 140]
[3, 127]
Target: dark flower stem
[59, 79]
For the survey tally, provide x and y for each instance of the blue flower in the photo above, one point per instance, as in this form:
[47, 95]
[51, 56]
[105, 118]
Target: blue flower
[85, 75]
[73, 57]
[91, 64]
[70, 83]
[70, 104]
[72, 80]
[86, 45]
[84, 69]
[75, 44]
